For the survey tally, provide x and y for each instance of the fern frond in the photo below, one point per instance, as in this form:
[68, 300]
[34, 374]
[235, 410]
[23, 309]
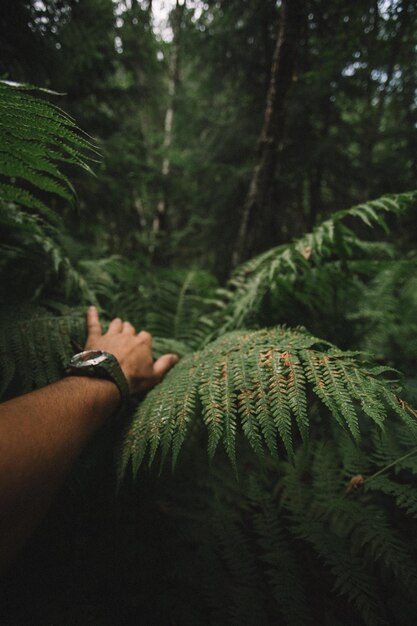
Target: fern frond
[277, 397]
[240, 562]
[212, 401]
[323, 519]
[121, 288]
[35, 347]
[261, 381]
[405, 495]
[181, 303]
[277, 553]
[188, 398]
[350, 575]
[34, 262]
[356, 460]
[245, 404]
[370, 531]
[329, 241]
[386, 312]
[264, 403]
[34, 134]
[336, 381]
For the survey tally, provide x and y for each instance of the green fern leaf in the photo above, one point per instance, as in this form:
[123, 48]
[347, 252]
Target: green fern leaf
[261, 381]
[278, 398]
[246, 401]
[35, 347]
[263, 406]
[282, 265]
[405, 495]
[34, 134]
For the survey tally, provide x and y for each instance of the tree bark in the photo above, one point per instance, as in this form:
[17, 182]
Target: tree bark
[159, 218]
[274, 118]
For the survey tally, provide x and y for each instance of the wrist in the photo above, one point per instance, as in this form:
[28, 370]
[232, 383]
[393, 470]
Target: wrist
[101, 365]
[103, 396]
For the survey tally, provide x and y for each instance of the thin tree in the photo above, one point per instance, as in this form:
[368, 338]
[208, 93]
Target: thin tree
[173, 78]
[282, 70]
[398, 18]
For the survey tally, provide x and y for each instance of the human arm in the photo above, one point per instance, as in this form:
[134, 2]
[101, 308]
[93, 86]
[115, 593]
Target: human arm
[43, 432]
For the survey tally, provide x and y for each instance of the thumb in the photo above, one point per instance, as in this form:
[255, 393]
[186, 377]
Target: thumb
[93, 323]
[164, 364]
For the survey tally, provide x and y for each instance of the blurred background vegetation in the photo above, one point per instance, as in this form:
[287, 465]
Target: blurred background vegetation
[349, 133]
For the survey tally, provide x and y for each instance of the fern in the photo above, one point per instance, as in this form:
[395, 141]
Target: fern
[121, 288]
[263, 383]
[34, 262]
[35, 347]
[329, 241]
[181, 303]
[386, 312]
[34, 136]
[349, 535]
[279, 555]
[405, 495]
[174, 305]
[285, 544]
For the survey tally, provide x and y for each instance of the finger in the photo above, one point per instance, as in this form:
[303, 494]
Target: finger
[128, 329]
[163, 365]
[145, 337]
[93, 322]
[115, 326]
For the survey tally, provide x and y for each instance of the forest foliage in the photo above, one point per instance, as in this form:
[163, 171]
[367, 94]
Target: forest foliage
[289, 421]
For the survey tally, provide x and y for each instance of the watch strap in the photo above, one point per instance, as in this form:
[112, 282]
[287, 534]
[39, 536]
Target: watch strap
[107, 368]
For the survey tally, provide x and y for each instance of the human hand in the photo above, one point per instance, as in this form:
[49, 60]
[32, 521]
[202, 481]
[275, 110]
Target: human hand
[132, 350]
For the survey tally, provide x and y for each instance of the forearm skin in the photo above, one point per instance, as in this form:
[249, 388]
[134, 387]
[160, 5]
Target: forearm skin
[41, 435]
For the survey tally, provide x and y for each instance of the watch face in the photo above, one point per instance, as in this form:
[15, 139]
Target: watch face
[100, 364]
[89, 357]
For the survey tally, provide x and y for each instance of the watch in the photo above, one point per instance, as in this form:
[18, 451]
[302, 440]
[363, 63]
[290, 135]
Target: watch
[99, 364]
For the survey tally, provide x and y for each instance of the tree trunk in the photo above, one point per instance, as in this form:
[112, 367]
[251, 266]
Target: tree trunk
[159, 218]
[274, 118]
[377, 111]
